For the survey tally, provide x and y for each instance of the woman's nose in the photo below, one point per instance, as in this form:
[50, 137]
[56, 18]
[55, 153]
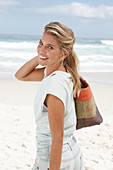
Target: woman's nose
[41, 50]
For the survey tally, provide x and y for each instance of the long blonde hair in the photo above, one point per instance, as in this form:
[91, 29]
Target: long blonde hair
[66, 39]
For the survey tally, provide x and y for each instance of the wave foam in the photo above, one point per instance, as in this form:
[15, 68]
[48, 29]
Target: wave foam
[107, 42]
[18, 45]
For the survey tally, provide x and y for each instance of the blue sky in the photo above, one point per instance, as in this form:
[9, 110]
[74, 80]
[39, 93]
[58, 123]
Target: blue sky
[87, 18]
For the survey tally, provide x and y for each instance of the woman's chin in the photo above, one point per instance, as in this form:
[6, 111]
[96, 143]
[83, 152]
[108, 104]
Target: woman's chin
[42, 64]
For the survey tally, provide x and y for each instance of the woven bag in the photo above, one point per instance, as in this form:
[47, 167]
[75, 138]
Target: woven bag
[86, 109]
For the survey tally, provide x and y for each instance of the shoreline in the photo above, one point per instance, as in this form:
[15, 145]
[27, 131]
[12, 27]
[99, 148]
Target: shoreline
[98, 77]
[91, 77]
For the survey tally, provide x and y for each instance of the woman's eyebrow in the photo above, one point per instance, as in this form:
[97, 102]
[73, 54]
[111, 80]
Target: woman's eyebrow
[51, 45]
[40, 40]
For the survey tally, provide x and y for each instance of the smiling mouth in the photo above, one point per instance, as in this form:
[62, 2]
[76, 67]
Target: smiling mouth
[43, 57]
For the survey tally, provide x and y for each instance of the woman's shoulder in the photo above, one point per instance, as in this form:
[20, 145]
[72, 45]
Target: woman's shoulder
[53, 79]
[59, 77]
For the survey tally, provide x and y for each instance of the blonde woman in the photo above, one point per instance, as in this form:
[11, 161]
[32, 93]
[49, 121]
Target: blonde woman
[54, 108]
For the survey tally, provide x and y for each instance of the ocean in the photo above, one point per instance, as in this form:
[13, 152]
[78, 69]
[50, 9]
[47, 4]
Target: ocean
[95, 55]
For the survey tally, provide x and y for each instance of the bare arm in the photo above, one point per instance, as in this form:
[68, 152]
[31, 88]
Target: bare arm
[29, 72]
[56, 121]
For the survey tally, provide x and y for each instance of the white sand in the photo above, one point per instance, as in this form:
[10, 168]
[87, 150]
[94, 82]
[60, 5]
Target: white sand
[17, 128]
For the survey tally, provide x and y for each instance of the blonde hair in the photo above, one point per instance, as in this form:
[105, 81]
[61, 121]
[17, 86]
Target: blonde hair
[66, 40]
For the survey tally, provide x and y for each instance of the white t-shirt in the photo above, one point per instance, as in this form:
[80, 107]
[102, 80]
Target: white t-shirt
[58, 84]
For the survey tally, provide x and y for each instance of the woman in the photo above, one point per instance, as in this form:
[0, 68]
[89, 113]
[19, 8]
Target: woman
[54, 105]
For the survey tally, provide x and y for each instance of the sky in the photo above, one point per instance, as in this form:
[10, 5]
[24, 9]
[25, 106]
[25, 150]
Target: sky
[87, 18]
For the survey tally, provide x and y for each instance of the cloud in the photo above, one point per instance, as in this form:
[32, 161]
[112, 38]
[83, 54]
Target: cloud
[7, 3]
[79, 10]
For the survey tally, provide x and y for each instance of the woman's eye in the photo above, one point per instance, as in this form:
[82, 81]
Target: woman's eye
[50, 47]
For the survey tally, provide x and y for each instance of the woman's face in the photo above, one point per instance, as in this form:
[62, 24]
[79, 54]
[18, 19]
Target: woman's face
[49, 50]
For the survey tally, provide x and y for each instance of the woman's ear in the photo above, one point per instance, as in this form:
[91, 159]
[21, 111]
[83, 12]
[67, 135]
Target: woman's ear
[64, 54]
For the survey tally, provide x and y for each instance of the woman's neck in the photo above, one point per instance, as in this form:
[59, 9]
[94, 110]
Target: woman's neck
[51, 70]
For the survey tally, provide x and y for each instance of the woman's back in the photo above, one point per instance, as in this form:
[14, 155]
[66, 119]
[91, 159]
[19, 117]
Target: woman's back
[59, 85]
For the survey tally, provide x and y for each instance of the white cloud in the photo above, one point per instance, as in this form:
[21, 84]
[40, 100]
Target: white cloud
[6, 3]
[79, 10]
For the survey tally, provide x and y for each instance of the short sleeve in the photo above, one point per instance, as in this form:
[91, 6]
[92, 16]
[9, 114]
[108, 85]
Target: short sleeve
[55, 87]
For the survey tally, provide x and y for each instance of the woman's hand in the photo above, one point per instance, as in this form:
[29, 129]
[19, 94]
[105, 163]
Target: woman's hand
[29, 72]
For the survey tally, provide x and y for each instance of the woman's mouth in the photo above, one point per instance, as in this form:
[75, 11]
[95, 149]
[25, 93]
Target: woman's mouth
[43, 58]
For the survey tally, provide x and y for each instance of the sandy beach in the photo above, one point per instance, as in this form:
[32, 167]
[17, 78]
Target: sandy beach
[17, 125]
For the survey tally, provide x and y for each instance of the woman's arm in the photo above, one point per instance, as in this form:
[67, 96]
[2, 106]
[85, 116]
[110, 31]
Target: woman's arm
[28, 72]
[56, 122]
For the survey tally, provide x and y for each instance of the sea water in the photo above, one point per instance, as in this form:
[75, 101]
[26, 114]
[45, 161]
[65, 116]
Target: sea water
[95, 55]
